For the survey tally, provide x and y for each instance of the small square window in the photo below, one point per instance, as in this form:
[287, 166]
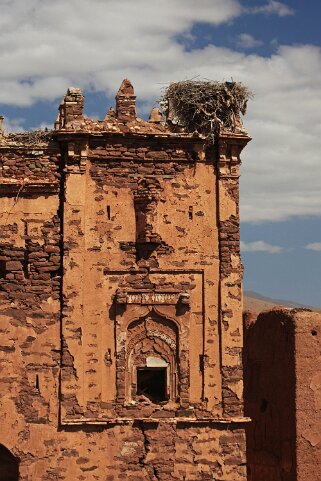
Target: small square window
[152, 383]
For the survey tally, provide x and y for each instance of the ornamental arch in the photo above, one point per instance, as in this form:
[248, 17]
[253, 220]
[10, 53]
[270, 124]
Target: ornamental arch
[152, 359]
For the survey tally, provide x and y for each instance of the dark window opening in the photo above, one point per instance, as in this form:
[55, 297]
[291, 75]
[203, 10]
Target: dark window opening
[3, 270]
[190, 213]
[25, 262]
[263, 405]
[108, 212]
[152, 382]
[9, 465]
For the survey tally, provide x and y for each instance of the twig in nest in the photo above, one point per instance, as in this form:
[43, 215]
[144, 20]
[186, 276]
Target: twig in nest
[205, 106]
[30, 139]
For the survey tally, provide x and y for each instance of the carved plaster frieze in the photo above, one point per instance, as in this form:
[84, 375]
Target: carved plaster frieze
[151, 297]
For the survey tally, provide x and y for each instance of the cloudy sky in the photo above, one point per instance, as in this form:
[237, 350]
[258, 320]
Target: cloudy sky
[270, 46]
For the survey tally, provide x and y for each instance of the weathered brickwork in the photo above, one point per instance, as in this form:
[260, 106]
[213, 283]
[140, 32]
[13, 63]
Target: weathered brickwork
[282, 353]
[120, 282]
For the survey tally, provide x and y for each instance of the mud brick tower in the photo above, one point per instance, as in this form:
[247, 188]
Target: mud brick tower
[121, 302]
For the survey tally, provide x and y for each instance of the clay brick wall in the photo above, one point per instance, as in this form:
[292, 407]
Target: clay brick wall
[30, 291]
[308, 395]
[119, 253]
[281, 391]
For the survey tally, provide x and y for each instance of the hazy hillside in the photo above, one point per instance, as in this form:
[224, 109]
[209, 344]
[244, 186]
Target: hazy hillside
[257, 303]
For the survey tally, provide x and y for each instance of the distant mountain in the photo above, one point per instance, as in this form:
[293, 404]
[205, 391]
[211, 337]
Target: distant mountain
[257, 302]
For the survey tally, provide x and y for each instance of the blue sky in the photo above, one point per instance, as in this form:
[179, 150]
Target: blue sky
[272, 47]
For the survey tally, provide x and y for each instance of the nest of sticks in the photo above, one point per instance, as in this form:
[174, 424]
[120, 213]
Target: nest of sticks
[31, 138]
[205, 106]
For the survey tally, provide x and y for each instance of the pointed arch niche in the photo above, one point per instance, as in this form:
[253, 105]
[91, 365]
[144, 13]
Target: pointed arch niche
[151, 359]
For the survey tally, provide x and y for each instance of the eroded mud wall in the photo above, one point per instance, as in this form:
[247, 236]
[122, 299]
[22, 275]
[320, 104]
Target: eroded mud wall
[308, 395]
[269, 397]
[282, 392]
[30, 288]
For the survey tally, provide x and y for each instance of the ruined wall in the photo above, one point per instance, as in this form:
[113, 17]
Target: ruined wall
[30, 288]
[308, 395]
[120, 259]
[282, 385]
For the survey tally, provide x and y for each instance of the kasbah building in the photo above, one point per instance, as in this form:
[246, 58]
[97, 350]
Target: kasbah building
[121, 332]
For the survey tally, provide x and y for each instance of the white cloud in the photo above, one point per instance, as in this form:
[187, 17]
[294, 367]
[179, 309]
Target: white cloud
[260, 246]
[47, 46]
[281, 165]
[17, 125]
[13, 125]
[278, 8]
[314, 246]
[42, 126]
[247, 41]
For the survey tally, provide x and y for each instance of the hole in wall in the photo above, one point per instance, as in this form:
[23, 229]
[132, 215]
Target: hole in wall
[314, 332]
[190, 212]
[37, 382]
[263, 405]
[108, 212]
[25, 262]
[151, 382]
[3, 270]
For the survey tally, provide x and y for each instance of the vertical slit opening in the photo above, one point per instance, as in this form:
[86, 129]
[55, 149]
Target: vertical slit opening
[108, 212]
[3, 270]
[25, 262]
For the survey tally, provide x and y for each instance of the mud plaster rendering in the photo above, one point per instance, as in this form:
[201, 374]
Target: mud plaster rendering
[121, 301]
[282, 393]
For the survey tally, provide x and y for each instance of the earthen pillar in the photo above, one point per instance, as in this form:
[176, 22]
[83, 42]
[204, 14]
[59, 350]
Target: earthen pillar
[126, 102]
[74, 275]
[231, 272]
[72, 107]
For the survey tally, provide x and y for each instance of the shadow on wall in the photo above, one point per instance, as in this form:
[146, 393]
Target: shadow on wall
[269, 395]
[9, 465]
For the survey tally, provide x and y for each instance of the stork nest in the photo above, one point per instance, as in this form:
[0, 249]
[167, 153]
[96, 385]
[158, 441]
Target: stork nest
[205, 106]
[31, 138]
